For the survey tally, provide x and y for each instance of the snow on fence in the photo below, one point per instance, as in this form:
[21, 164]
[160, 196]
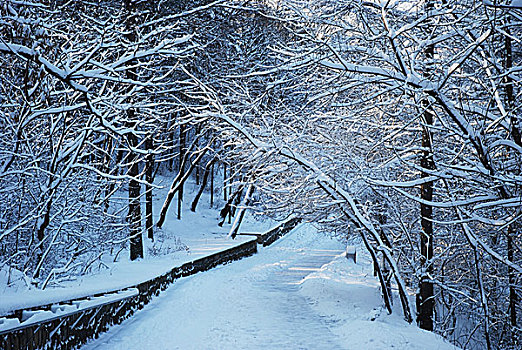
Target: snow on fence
[274, 234]
[71, 323]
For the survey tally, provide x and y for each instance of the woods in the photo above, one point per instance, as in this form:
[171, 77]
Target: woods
[391, 123]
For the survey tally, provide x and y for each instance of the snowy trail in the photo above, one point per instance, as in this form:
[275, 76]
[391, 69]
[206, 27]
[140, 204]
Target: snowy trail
[303, 328]
[299, 293]
[254, 304]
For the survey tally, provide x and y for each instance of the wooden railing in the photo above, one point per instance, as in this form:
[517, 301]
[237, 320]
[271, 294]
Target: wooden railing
[274, 234]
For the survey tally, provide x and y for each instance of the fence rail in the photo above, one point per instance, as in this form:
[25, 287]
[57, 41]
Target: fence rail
[277, 232]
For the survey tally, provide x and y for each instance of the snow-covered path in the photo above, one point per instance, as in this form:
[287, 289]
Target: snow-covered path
[253, 303]
[281, 298]
[293, 323]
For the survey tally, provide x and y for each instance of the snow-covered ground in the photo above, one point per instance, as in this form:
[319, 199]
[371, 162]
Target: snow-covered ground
[300, 293]
[179, 241]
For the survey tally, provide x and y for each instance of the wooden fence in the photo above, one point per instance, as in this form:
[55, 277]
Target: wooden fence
[274, 234]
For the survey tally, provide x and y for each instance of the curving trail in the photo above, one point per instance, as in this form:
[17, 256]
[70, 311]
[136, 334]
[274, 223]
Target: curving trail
[254, 303]
[299, 293]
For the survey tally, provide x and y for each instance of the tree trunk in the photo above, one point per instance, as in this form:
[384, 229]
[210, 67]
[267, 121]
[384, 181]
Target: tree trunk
[136, 243]
[513, 299]
[174, 188]
[208, 168]
[241, 212]
[212, 186]
[149, 177]
[425, 297]
[182, 141]
[227, 209]
[170, 141]
[198, 130]
[515, 134]
[225, 197]
[386, 270]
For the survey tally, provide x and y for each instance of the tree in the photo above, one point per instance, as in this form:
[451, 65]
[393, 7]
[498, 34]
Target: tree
[77, 120]
[360, 86]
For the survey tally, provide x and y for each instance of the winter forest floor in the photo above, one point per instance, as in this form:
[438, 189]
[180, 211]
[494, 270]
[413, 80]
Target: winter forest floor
[300, 293]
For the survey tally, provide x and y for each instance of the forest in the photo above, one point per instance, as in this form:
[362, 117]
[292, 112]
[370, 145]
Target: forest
[393, 123]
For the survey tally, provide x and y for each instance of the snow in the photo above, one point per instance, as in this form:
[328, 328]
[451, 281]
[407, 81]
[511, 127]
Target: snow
[8, 323]
[32, 317]
[330, 186]
[300, 293]
[347, 297]
[197, 232]
[513, 4]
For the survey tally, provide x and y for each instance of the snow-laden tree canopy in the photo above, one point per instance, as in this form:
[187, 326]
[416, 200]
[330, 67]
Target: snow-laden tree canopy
[393, 122]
